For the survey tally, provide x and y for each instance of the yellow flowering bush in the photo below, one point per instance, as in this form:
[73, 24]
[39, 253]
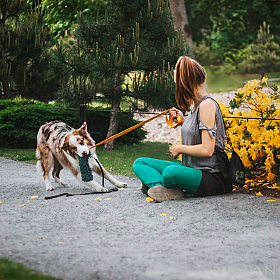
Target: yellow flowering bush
[252, 128]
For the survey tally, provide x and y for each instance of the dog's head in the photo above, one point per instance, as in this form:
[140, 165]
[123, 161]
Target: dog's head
[77, 143]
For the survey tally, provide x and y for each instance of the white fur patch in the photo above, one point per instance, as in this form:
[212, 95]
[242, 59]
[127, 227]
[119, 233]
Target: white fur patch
[80, 148]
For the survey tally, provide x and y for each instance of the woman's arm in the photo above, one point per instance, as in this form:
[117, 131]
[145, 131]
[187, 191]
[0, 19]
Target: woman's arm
[207, 112]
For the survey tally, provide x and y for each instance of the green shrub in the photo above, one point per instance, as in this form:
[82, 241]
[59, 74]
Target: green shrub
[21, 120]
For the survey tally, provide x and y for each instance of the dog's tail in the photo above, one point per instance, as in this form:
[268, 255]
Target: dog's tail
[39, 163]
[39, 167]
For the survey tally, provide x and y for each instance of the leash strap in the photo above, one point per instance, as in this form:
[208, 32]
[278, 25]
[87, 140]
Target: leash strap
[168, 120]
[72, 194]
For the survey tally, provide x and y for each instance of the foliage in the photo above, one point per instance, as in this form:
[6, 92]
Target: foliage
[253, 132]
[131, 36]
[108, 49]
[228, 26]
[62, 15]
[263, 55]
[15, 271]
[24, 54]
[20, 121]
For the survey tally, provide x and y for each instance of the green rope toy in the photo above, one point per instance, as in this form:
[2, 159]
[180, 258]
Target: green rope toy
[85, 169]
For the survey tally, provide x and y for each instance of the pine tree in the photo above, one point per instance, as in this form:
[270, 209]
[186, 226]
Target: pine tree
[127, 53]
[263, 55]
[23, 51]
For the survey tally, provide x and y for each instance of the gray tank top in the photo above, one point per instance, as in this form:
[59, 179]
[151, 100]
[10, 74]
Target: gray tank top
[191, 136]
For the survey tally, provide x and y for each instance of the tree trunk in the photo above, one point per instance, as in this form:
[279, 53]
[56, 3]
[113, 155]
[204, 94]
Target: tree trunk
[8, 94]
[114, 120]
[113, 127]
[179, 12]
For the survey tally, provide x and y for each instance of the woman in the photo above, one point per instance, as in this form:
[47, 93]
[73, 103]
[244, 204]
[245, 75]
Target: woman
[202, 132]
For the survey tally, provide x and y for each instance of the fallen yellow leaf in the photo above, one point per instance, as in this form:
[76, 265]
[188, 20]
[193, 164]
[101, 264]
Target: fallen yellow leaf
[23, 205]
[173, 218]
[121, 189]
[271, 200]
[249, 197]
[149, 199]
[163, 214]
[108, 198]
[98, 198]
[61, 243]
[259, 193]
[1, 202]
[32, 197]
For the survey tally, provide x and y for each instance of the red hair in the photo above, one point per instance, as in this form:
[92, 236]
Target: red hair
[189, 76]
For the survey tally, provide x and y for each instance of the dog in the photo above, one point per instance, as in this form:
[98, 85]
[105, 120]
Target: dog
[60, 146]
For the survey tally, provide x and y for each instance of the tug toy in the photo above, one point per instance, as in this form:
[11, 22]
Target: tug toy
[85, 169]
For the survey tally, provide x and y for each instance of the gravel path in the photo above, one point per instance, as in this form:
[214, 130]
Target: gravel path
[223, 237]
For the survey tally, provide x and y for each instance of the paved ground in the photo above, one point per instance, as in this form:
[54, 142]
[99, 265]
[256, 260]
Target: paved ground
[126, 237]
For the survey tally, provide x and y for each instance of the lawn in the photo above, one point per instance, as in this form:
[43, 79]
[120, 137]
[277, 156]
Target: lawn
[222, 82]
[15, 271]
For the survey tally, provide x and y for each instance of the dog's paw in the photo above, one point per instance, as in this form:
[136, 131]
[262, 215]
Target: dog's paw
[121, 185]
[64, 185]
[49, 188]
[101, 189]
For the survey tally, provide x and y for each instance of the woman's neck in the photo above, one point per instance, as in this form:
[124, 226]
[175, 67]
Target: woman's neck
[200, 93]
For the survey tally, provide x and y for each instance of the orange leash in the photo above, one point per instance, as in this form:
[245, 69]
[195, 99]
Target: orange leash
[168, 120]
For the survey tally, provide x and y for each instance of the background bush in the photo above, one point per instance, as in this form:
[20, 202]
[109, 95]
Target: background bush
[21, 120]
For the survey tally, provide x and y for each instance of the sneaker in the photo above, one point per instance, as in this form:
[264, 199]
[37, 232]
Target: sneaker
[160, 193]
[144, 189]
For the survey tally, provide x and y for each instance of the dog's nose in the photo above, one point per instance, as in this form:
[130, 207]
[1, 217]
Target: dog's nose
[84, 154]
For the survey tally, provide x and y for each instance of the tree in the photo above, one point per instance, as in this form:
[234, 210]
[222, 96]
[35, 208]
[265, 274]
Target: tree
[23, 51]
[227, 26]
[263, 54]
[61, 15]
[178, 9]
[127, 53]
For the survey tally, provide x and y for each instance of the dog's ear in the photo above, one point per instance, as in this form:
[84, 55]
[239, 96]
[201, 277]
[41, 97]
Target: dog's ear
[83, 129]
[63, 146]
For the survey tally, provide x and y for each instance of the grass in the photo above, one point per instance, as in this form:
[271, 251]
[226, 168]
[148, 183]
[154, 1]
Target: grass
[222, 82]
[15, 271]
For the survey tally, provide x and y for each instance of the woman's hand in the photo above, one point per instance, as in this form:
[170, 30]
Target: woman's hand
[175, 150]
[174, 113]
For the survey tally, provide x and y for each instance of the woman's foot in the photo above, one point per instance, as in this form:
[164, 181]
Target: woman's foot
[160, 193]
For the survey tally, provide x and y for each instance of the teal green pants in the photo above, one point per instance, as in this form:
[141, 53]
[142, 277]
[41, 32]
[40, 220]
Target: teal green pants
[152, 172]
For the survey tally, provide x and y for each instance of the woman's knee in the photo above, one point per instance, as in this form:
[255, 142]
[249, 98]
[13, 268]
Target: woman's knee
[138, 162]
[169, 175]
